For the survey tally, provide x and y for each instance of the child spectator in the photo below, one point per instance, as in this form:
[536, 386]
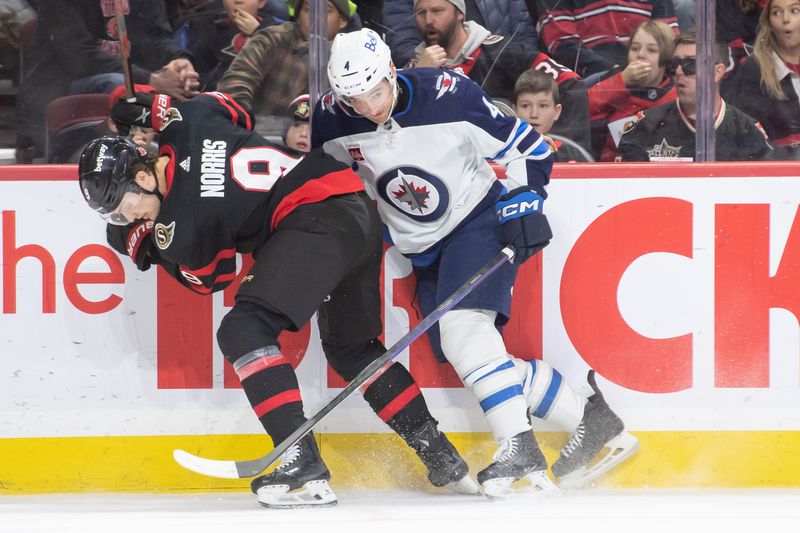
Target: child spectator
[215, 38]
[767, 86]
[297, 134]
[537, 101]
[667, 132]
[641, 84]
[273, 68]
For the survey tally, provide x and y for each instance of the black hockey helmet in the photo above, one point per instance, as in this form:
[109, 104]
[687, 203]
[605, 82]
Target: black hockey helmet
[105, 172]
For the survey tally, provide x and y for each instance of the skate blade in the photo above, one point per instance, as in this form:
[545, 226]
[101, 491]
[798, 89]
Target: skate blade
[541, 484]
[498, 487]
[465, 485]
[618, 449]
[312, 494]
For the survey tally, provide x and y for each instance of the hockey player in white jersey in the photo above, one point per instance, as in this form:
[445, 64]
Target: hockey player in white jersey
[420, 140]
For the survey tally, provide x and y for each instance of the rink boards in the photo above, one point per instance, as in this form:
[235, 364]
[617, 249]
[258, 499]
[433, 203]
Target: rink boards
[679, 284]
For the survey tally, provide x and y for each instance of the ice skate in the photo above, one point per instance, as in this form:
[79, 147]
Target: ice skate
[581, 460]
[518, 457]
[445, 466]
[301, 480]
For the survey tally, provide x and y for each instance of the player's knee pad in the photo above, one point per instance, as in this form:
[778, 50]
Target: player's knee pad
[470, 338]
[247, 327]
[348, 361]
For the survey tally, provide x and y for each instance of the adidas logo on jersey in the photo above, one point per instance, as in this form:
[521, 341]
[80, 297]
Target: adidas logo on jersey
[186, 164]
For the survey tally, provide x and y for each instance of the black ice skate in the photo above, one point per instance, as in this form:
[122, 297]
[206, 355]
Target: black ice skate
[446, 468]
[518, 457]
[301, 480]
[580, 461]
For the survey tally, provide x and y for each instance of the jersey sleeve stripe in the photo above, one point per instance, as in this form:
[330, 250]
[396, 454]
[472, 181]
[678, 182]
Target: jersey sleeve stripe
[331, 184]
[212, 266]
[521, 127]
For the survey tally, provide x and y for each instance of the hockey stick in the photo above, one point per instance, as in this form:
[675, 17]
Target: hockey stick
[124, 49]
[253, 467]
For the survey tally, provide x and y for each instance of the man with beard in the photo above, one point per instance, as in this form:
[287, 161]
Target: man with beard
[494, 62]
[667, 132]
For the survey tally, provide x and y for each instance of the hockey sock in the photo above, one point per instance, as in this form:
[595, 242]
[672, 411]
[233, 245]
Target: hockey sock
[270, 384]
[475, 348]
[548, 394]
[397, 400]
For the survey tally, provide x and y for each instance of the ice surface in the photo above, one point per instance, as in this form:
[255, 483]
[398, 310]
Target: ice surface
[590, 511]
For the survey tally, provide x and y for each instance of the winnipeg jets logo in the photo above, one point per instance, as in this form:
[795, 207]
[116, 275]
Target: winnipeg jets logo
[164, 234]
[415, 197]
[445, 83]
[186, 164]
[416, 193]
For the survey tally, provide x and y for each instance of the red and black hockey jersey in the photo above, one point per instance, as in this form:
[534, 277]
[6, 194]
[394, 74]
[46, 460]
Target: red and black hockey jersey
[228, 188]
[613, 107]
[497, 63]
[591, 36]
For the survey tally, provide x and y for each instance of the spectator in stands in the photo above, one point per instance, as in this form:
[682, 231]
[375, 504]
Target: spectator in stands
[214, 39]
[508, 18]
[272, 68]
[643, 83]
[666, 132]
[492, 61]
[537, 101]
[591, 41]
[737, 24]
[767, 85]
[297, 134]
[77, 51]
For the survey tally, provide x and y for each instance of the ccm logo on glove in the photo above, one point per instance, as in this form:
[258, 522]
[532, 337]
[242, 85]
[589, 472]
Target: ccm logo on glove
[519, 205]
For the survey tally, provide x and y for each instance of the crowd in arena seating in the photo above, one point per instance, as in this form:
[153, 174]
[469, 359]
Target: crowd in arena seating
[609, 80]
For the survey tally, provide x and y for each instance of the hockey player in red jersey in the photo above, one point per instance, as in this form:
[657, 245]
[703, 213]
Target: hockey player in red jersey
[217, 189]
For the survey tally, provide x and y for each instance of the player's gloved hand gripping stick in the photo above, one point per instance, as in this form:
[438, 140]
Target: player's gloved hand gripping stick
[253, 467]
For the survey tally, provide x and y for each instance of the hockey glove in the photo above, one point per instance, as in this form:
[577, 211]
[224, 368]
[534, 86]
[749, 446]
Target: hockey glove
[148, 110]
[135, 241]
[524, 225]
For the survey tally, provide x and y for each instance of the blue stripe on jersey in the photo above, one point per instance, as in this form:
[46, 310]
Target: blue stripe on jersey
[549, 396]
[500, 396]
[533, 146]
[500, 368]
[520, 130]
[410, 87]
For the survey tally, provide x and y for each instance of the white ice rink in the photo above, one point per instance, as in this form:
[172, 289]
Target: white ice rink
[589, 511]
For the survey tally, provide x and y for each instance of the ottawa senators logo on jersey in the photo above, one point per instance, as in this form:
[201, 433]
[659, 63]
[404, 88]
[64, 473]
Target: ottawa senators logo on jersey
[164, 234]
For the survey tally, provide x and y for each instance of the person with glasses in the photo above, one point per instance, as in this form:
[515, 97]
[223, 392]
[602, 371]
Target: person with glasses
[667, 133]
[767, 86]
[641, 84]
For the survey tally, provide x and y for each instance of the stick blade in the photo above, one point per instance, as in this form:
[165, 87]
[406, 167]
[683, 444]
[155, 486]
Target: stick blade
[206, 467]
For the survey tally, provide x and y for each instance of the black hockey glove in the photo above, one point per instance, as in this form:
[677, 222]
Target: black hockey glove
[149, 110]
[135, 241]
[524, 225]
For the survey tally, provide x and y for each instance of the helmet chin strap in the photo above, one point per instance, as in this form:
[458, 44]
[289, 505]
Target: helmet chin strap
[155, 192]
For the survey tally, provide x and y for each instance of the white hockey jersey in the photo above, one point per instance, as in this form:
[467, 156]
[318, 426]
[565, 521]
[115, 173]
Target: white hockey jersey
[427, 166]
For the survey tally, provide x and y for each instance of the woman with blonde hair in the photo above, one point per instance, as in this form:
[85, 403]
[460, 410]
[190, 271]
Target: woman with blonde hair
[767, 86]
[626, 90]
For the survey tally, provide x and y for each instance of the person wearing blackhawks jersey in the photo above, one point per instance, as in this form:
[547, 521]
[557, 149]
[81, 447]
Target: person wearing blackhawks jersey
[667, 133]
[216, 189]
[494, 62]
[421, 140]
[643, 83]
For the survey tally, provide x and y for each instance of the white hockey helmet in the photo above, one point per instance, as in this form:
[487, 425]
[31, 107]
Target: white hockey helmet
[358, 61]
